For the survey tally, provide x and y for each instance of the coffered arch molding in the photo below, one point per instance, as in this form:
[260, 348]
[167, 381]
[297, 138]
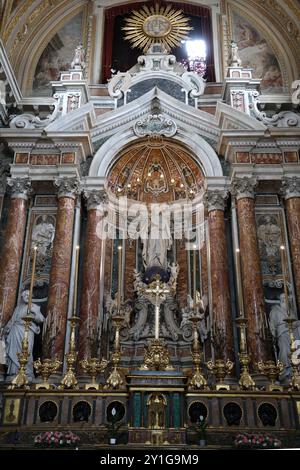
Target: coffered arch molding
[108, 153]
[35, 44]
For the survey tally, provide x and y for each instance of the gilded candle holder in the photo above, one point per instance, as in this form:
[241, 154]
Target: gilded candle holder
[46, 368]
[115, 379]
[93, 367]
[295, 362]
[220, 369]
[69, 380]
[246, 381]
[197, 381]
[271, 370]
[21, 379]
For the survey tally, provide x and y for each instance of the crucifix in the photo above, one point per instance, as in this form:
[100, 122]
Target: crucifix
[157, 297]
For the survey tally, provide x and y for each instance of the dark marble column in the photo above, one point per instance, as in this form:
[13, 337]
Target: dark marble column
[244, 190]
[59, 284]
[291, 193]
[11, 253]
[221, 306]
[90, 293]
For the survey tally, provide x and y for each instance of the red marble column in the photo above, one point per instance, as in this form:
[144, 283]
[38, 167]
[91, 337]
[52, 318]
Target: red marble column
[11, 256]
[291, 190]
[90, 294]
[59, 283]
[221, 305]
[253, 293]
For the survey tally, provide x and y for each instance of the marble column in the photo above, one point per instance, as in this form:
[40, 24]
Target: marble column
[244, 191]
[220, 289]
[90, 293]
[2, 194]
[291, 193]
[57, 309]
[11, 257]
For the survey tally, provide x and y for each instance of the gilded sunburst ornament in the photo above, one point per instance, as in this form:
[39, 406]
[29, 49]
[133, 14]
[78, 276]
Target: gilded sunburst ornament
[156, 24]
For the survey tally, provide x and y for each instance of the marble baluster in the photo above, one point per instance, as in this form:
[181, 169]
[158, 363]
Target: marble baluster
[11, 257]
[221, 306]
[291, 193]
[57, 309]
[244, 190]
[90, 293]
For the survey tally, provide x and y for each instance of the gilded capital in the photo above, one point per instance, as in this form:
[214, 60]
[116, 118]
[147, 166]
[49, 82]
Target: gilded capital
[215, 200]
[20, 188]
[68, 187]
[244, 187]
[95, 198]
[290, 187]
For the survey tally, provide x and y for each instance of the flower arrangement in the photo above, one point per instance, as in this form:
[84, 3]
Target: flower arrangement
[257, 441]
[57, 439]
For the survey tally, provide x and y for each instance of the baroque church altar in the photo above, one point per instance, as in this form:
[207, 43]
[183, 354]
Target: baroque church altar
[155, 223]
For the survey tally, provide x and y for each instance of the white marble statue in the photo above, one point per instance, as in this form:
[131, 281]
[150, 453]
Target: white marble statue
[201, 306]
[43, 235]
[280, 332]
[14, 333]
[79, 59]
[235, 60]
[156, 246]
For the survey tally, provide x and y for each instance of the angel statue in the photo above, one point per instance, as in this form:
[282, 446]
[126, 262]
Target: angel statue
[199, 310]
[174, 270]
[78, 61]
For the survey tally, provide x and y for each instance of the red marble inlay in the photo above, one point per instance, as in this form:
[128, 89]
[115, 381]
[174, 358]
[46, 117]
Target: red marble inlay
[68, 158]
[293, 218]
[60, 272]
[21, 158]
[11, 257]
[90, 285]
[291, 157]
[252, 280]
[243, 157]
[267, 158]
[44, 159]
[221, 305]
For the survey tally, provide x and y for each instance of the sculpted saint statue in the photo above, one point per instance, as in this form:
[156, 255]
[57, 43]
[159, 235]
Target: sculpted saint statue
[156, 245]
[14, 332]
[280, 332]
[235, 60]
[43, 235]
[78, 61]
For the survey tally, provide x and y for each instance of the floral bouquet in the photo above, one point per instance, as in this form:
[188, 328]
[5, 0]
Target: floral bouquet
[57, 439]
[256, 441]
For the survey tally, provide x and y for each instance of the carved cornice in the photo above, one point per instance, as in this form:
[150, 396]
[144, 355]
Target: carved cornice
[243, 187]
[290, 187]
[19, 188]
[215, 200]
[95, 199]
[68, 187]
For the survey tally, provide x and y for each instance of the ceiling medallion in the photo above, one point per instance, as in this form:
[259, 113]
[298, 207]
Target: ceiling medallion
[155, 24]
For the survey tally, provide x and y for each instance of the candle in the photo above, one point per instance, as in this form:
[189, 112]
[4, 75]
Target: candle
[76, 282]
[194, 275]
[239, 282]
[32, 280]
[284, 273]
[119, 276]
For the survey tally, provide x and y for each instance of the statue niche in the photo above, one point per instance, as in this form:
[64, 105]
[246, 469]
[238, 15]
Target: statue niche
[156, 405]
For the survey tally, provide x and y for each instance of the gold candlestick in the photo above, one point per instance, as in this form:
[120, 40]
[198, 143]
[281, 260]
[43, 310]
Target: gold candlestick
[76, 281]
[294, 360]
[197, 381]
[21, 379]
[32, 280]
[46, 368]
[194, 276]
[120, 258]
[93, 367]
[220, 369]
[284, 274]
[69, 380]
[246, 382]
[272, 371]
[239, 282]
[115, 379]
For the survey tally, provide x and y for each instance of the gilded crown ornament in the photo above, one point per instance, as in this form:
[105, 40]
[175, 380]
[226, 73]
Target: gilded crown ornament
[46, 368]
[93, 367]
[156, 24]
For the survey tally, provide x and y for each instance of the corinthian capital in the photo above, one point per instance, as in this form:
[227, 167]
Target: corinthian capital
[290, 187]
[215, 200]
[20, 188]
[244, 187]
[95, 198]
[68, 187]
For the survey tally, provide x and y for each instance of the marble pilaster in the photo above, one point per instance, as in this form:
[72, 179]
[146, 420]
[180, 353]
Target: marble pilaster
[291, 193]
[221, 306]
[68, 190]
[90, 294]
[244, 191]
[20, 189]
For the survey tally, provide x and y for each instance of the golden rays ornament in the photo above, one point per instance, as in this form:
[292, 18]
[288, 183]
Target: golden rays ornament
[156, 24]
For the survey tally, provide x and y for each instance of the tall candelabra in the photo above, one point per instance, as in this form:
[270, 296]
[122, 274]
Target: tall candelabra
[21, 379]
[246, 382]
[115, 379]
[69, 380]
[197, 380]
